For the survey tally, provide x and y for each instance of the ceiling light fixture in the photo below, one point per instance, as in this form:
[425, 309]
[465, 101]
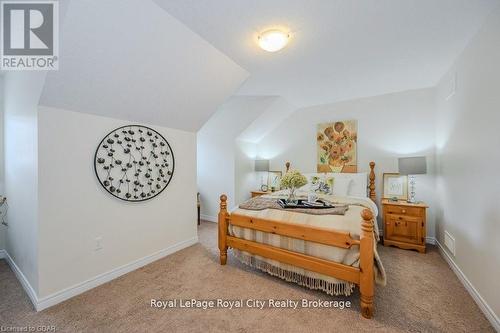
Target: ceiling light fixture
[273, 40]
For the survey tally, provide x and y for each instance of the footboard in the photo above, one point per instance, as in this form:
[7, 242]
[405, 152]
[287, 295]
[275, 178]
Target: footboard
[362, 276]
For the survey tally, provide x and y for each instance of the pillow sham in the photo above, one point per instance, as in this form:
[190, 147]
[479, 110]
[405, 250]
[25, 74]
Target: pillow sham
[342, 186]
[359, 183]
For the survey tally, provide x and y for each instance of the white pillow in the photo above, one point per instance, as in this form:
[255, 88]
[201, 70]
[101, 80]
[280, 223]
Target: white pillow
[358, 185]
[341, 186]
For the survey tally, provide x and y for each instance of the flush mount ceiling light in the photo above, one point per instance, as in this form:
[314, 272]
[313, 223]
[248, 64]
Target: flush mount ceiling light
[273, 40]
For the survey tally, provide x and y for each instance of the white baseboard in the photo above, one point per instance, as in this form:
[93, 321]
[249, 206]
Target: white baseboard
[22, 279]
[485, 308]
[2, 254]
[79, 288]
[214, 218]
[208, 218]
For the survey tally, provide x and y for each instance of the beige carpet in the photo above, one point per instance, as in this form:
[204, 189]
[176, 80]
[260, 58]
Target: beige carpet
[422, 295]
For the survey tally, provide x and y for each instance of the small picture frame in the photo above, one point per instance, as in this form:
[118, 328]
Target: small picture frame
[273, 180]
[395, 186]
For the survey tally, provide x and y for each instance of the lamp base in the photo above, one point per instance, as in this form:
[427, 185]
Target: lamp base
[411, 192]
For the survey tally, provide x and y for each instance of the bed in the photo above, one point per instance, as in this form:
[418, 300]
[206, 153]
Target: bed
[332, 252]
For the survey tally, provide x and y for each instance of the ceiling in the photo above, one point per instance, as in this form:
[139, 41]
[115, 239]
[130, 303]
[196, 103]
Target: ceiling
[340, 49]
[134, 61]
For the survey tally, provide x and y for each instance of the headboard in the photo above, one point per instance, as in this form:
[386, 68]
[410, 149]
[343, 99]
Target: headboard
[371, 180]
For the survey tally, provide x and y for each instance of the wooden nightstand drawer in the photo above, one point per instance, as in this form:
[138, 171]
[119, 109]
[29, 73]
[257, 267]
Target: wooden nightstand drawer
[403, 228]
[402, 210]
[402, 218]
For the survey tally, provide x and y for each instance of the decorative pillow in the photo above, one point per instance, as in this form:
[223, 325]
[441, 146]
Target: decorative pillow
[330, 182]
[317, 181]
[321, 184]
[342, 186]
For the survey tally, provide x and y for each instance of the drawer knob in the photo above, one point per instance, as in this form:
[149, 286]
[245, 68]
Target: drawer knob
[403, 211]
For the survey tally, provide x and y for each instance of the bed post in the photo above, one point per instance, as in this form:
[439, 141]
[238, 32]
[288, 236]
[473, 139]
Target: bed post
[366, 280]
[287, 166]
[223, 229]
[372, 182]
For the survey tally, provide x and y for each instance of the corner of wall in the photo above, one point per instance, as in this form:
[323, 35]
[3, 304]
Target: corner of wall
[465, 99]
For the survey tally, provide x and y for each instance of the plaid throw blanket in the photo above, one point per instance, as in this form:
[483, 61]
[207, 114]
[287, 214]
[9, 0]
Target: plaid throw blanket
[260, 203]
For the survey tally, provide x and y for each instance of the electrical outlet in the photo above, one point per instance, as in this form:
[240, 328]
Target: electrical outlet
[98, 243]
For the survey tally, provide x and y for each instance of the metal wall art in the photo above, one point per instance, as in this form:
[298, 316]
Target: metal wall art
[134, 163]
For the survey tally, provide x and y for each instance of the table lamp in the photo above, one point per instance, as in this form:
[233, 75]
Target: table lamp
[412, 166]
[262, 166]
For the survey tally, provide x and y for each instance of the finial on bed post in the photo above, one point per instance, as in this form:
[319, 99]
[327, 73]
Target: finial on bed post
[367, 278]
[287, 165]
[223, 229]
[373, 196]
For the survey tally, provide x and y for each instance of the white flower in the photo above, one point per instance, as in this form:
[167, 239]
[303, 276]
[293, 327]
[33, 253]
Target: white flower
[293, 179]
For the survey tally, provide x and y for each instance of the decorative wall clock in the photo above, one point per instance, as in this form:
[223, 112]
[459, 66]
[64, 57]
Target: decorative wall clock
[134, 163]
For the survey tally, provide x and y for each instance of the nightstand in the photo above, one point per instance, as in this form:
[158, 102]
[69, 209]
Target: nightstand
[258, 193]
[404, 224]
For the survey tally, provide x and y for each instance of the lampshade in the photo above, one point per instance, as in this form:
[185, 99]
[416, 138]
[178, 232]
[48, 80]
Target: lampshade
[412, 165]
[261, 165]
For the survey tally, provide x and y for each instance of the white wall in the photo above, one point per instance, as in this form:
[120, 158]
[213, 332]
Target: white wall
[468, 155]
[75, 209]
[2, 166]
[389, 126]
[246, 179]
[219, 154]
[2, 158]
[22, 92]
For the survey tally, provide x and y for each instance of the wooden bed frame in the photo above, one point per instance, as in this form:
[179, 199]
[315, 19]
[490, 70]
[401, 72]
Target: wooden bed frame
[362, 276]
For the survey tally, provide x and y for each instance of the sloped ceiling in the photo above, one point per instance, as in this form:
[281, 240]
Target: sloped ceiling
[272, 114]
[131, 60]
[235, 116]
[340, 49]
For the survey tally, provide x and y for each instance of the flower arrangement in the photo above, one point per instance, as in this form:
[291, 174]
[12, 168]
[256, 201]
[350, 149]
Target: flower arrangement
[293, 179]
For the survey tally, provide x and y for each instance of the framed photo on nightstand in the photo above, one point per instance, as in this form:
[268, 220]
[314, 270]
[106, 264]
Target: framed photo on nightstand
[273, 180]
[395, 186]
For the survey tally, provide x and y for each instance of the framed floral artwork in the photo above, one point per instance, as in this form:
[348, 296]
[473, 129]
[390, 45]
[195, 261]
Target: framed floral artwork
[395, 186]
[337, 146]
[273, 180]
